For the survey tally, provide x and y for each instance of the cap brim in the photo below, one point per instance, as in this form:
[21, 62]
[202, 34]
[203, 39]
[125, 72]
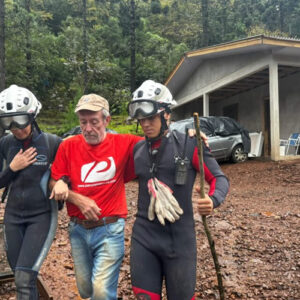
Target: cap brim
[88, 107]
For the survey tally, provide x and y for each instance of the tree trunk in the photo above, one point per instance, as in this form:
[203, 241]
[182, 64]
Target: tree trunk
[2, 45]
[132, 45]
[85, 47]
[205, 39]
[224, 19]
[281, 17]
[28, 40]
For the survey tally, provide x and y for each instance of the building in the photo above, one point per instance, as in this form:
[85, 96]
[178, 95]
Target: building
[255, 80]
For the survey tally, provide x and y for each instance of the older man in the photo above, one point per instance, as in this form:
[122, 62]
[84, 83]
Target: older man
[94, 165]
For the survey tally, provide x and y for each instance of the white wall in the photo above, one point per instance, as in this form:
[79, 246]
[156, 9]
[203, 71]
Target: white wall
[251, 106]
[289, 105]
[212, 70]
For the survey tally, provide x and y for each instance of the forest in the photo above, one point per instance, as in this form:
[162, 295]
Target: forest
[62, 49]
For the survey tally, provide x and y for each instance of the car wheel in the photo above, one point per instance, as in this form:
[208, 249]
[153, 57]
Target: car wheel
[238, 154]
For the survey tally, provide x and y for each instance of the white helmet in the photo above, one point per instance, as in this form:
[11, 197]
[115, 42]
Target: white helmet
[151, 90]
[149, 99]
[18, 108]
[17, 100]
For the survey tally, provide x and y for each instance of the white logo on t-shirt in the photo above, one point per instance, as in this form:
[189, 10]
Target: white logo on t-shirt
[101, 171]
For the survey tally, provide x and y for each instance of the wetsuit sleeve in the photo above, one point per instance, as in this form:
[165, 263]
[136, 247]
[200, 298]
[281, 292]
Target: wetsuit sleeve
[6, 177]
[218, 182]
[129, 173]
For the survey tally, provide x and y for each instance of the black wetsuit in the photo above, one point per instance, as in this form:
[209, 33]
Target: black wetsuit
[28, 211]
[168, 251]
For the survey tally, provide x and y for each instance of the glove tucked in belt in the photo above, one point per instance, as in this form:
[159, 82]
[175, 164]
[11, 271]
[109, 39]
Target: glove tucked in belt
[90, 224]
[162, 202]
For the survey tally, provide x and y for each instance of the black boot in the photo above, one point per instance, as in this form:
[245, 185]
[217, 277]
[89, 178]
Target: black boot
[26, 284]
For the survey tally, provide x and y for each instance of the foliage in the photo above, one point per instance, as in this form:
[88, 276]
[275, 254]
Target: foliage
[121, 124]
[45, 50]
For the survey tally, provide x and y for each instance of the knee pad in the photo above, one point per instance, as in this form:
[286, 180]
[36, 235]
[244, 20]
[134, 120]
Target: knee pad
[25, 281]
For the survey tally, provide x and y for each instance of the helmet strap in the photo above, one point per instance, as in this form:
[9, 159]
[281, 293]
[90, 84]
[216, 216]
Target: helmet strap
[164, 125]
[137, 126]
[34, 123]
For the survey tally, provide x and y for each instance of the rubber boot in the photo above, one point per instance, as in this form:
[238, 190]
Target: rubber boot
[26, 284]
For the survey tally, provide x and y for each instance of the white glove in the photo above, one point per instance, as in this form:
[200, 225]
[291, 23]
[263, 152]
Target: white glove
[166, 206]
[175, 209]
[153, 194]
[162, 202]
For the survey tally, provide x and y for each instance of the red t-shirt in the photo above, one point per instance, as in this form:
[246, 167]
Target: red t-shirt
[97, 171]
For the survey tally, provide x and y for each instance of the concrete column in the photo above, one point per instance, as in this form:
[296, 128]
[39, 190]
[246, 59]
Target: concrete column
[274, 110]
[205, 105]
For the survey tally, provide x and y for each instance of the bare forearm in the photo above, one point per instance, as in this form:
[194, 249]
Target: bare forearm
[87, 206]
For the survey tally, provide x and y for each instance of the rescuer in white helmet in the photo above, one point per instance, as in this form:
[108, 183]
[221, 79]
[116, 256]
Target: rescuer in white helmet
[163, 243]
[30, 218]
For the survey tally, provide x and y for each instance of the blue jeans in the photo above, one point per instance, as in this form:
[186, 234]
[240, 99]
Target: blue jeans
[97, 255]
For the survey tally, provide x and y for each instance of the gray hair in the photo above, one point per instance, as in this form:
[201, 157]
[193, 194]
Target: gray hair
[105, 113]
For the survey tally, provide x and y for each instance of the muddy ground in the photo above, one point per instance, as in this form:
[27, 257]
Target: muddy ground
[256, 232]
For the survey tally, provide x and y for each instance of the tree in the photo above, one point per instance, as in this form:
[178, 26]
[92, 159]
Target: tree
[282, 15]
[129, 21]
[85, 46]
[205, 23]
[28, 38]
[132, 45]
[2, 45]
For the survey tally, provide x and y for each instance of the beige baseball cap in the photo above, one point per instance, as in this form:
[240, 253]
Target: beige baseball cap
[92, 102]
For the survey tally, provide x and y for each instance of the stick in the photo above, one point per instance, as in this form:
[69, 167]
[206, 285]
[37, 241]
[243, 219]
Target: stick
[202, 195]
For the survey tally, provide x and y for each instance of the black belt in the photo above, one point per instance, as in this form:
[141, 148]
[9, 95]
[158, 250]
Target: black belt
[89, 224]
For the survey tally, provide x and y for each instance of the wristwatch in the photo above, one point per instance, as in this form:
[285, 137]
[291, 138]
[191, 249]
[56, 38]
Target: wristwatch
[66, 180]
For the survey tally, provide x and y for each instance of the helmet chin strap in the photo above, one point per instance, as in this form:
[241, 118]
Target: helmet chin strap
[34, 123]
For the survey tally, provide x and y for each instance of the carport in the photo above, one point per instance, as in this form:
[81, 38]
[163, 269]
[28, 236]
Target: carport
[255, 81]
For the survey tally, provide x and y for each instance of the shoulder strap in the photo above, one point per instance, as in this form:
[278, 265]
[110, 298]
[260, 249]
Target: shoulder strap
[177, 143]
[51, 141]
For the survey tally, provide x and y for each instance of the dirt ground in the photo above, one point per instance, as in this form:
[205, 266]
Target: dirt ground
[256, 232]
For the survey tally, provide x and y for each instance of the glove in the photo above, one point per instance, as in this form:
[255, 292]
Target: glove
[162, 202]
[152, 192]
[166, 206]
[170, 198]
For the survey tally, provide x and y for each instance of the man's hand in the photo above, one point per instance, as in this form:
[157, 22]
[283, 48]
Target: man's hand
[60, 191]
[87, 206]
[205, 205]
[23, 159]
